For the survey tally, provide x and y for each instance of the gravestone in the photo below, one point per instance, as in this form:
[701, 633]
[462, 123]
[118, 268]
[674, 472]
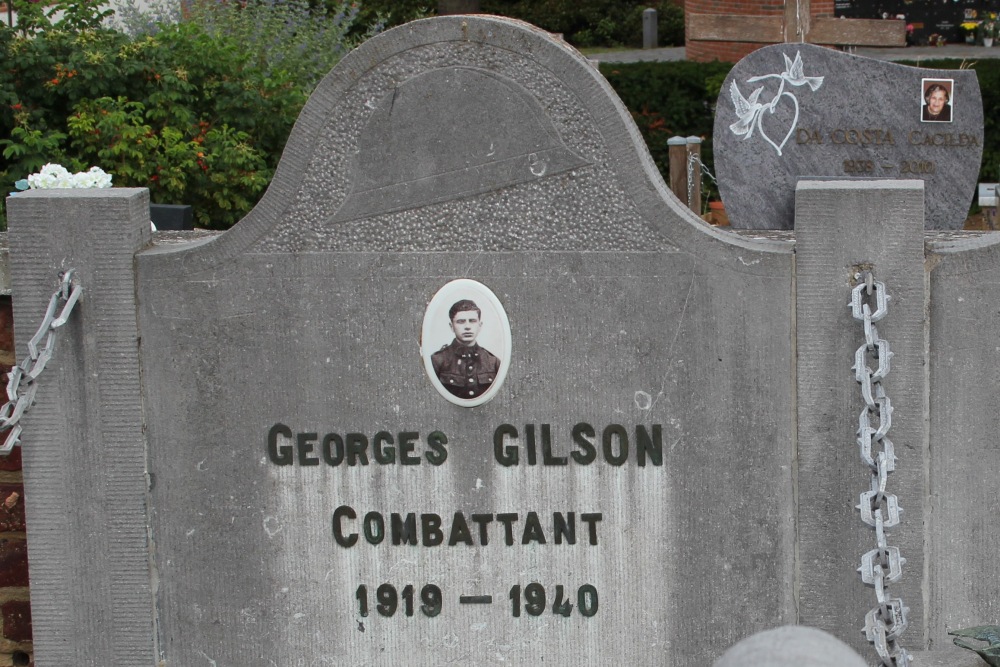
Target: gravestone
[317, 493]
[795, 111]
[268, 447]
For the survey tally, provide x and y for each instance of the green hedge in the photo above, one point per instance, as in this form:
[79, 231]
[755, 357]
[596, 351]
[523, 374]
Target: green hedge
[586, 23]
[678, 98]
[583, 23]
[670, 99]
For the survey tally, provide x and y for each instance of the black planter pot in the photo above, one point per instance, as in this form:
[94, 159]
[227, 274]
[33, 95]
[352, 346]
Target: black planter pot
[171, 216]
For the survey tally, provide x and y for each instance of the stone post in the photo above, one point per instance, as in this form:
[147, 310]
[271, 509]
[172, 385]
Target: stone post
[693, 171]
[677, 161]
[685, 170]
[840, 226]
[83, 445]
[649, 36]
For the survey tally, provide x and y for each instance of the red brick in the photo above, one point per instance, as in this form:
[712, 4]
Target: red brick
[11, 462]
[6, 325]
[16, 620]
[13, 562]
[12, 508]
[705, 51]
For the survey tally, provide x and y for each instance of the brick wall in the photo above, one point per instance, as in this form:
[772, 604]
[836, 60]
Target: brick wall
[15, 609]
[704, 51]
[730, 52]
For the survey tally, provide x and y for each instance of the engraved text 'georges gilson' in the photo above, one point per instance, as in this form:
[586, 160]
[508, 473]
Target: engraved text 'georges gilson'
[532, 445]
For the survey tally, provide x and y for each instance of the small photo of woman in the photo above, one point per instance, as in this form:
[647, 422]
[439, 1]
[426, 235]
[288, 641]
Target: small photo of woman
[938, 97]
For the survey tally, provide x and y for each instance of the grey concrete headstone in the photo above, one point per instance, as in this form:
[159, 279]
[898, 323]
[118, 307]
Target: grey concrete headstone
[483, 149]
[793, 111]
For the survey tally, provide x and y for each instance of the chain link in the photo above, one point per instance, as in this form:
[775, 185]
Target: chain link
[21, 387]
[880, 510]
[693, 160]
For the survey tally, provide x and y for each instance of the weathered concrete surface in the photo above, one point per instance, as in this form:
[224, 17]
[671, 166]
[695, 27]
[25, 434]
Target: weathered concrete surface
[793, 111]
[947, 657]
[962, 503]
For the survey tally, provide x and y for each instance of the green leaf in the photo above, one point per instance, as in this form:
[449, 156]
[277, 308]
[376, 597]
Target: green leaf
[985, 633]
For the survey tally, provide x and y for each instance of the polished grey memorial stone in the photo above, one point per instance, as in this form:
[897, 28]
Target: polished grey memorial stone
[793, 111]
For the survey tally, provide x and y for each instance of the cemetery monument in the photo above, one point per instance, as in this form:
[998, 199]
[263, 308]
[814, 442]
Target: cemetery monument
[245, 451]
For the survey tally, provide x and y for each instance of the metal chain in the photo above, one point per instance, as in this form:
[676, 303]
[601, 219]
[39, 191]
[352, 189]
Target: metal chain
[21, 385]
[693, 160]
[880, 510]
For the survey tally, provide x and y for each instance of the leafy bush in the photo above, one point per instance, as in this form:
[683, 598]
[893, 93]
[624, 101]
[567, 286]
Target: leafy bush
[390, 13]
[198, 110]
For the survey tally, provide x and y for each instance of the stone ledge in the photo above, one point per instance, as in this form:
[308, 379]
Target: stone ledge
[952, 656]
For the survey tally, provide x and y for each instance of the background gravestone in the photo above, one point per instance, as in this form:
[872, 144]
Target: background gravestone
[794, 111]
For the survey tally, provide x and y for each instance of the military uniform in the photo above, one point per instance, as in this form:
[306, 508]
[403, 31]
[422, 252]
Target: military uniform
[467, 371]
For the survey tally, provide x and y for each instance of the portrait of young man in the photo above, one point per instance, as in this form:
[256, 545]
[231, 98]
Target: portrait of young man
[465, 368]
[465, 343]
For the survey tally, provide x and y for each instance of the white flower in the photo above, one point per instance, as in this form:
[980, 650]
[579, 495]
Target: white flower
[56, 176]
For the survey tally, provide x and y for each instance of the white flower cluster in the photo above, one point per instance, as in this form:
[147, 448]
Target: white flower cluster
[56, 176]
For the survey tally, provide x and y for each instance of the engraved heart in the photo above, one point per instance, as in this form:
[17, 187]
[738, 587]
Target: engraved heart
[771, 109]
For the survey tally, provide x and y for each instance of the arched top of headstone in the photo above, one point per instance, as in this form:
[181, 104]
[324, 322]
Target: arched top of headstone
[793, 111]
[524, 146]
[465, 133]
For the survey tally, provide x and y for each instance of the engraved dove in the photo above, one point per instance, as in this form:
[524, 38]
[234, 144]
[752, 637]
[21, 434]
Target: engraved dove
[750, 111]
[794, 75]
[747, 110]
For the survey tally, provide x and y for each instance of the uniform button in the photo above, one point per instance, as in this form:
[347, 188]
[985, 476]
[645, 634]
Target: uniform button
[471, 380]
[459, 362]
[472, 393]
[451, 381]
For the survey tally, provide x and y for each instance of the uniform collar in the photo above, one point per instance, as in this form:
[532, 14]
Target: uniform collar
[462, 350]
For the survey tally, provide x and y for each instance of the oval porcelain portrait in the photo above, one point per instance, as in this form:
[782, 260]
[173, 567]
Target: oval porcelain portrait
[465, 342]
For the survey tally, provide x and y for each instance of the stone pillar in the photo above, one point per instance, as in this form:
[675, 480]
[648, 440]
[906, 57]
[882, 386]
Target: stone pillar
[83, 445]
[649, 29]
[840, 226]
